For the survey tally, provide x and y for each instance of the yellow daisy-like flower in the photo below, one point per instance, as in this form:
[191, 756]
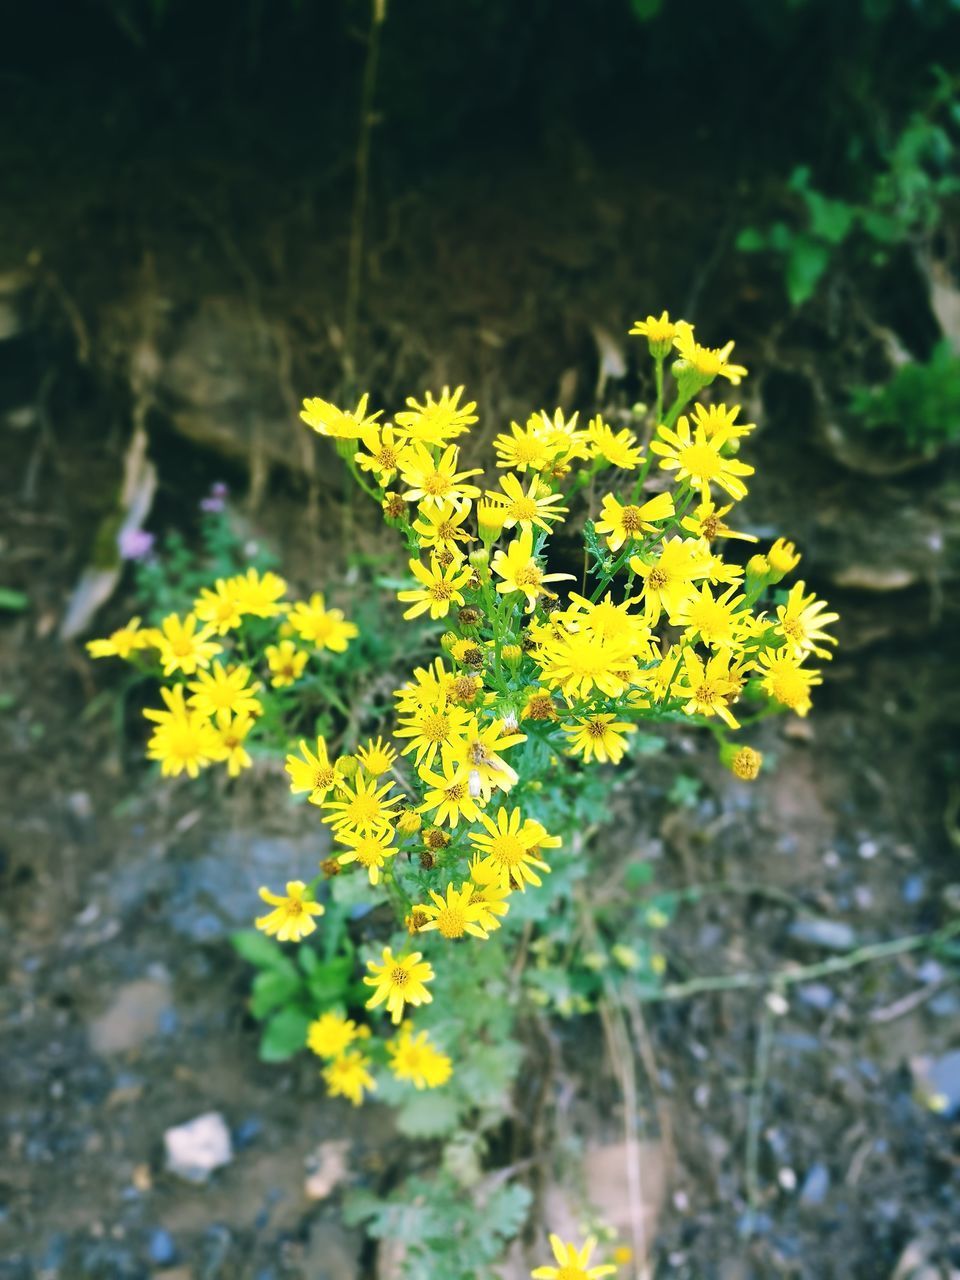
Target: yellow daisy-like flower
[448, 796]
[578, 662]
[183, 741]
[698, 459]
[786, 680]
[225, 689]
[619, 523]
[509, 848]
[706, 521]
[324, 628]
[708, 362]
[361, 809]
[440, 588]
[340, 424]
[720, 621]
[488, 893]
[618, 448]
[433, 482]
[441, 527]
[219, 607]
[707, 687]
[600, 737]
[414, 1058]
[382, 457]
[801, 621]
[668, 580]
[330, 1034]
[313, 773]
[520, 572]
[292, 916]
[478, 747]
[537, 506]
[286, 663]
[182, 647]
[782, 557]
[662, 334]
[454, 915]
[573, 1263]
[124, 641]
[525, 448]
[376, 757]
[231, 732]
[370, 850]
[437, 421]
[349, 1077]
[259, 593]
[719, 421]
[399, 980]
[431, 726]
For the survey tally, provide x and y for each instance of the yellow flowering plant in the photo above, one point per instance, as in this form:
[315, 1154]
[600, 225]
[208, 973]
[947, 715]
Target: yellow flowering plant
[466, 815]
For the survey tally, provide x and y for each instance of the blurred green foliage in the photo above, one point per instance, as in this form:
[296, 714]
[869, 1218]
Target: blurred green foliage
[921, 401]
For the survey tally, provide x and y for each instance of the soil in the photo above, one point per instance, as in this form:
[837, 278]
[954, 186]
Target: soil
[122, 1002]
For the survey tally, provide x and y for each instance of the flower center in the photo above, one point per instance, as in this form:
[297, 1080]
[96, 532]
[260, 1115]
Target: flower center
[706, 692]
[451, 922]
[436, 484]
[456, 792]
[596, 728]
[441, 590]
[387, 458]
[323, 778]
[507, 850]
[631, 519]
[700, 460]
[523, 509]
[435, 728]
[529, 576]
[399, 976]
[656, 579]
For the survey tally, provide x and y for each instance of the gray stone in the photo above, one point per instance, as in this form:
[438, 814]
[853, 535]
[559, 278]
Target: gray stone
[137, 1012]
[832, 935]
[195, 1149]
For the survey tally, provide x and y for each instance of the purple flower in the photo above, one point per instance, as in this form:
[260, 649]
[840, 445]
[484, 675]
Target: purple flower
[217, 498]
[134, 544]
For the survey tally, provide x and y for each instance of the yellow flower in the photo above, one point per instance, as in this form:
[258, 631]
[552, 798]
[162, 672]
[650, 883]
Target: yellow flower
[124, 641]
[720, 422]
[431, 482]
[510, 849]
[361, 809]
[661, 334]
[618, 448]
[314, 773]
[414, 1058]
[787, 681]
[183, 740]
[184, 648]
[454, 915]
[707, 687]
[525, 448]
[325, 628]
[222, 689]
[259, 594]
[231, 731]
[327, 420]
[782, 557]
[440, 588]
[801, 621]
[537, 506]
[376, 757]
[619, 523]
[286, 663]
[330, 1034]
[744, 763]
[490, 517]
[719, 622]
[478, 748]
[488, 893]
[399, 980]
[383, 445]
[706, 521]
[292, 916]
[349, 1076]
[698, 459]
[578, 662]
[668, 580]
[441, 527]
[370, 850]
[599, 736]
[520, 571]
[437, 421]
[574, 1263]
[708, 362]
[431, 726]
[219, 606]
[448, 795]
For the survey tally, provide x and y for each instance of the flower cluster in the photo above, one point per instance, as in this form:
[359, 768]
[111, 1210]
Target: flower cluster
[412, 1057]
[239, 628]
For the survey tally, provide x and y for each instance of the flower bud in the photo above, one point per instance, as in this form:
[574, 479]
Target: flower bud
[743, 762]
[409, 822]
[782, 557]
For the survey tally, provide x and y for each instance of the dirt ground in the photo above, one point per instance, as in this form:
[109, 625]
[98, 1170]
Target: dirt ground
[122, 1002]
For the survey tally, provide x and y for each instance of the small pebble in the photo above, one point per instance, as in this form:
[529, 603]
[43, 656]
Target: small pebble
[815, 1185]
[787, 1179]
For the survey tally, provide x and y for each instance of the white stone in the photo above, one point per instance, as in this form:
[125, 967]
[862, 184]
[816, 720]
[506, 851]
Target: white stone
[197, 1148]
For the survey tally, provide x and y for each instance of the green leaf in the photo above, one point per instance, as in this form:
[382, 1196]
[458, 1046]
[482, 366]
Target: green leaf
[13, 601]
[261, 951]
[431, 1114]
[272, 988]
[329, 981]
[308, 959]
[284, 1035]
[644, 10]
[806, 264]
[751, 240]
